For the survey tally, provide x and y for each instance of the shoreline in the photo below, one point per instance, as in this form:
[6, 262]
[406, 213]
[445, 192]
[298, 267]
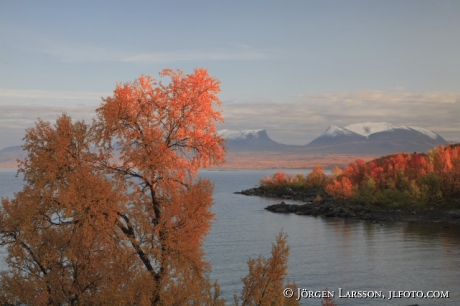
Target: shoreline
[317, 203]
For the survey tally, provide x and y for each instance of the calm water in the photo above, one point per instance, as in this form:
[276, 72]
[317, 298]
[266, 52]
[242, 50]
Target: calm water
[332, 253]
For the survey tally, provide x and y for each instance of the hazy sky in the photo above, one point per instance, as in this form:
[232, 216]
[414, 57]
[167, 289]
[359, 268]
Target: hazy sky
[290, 67]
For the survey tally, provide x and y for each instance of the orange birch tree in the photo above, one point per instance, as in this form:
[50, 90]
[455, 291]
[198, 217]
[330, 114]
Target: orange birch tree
[114, 213]
[165, 133]
[263, 286]
[59, 228]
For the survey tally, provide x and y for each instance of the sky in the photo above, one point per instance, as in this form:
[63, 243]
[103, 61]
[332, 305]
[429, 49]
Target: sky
[290, 67]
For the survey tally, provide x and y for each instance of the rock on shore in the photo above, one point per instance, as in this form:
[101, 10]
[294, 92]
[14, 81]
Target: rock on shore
[318, 203]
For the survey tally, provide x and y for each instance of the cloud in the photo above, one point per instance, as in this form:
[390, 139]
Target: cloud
[306, 116]
[16, 119]
[77, 52]
[377, 96]
[73, 52]
[177, 56]
[295, 121]
[49, 94]
[285, 122]
[31, 112]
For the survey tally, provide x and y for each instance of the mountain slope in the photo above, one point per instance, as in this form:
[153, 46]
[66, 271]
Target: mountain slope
[361, 139]
[336, 136]
[250, 140]
[368, 128]
[375, 138]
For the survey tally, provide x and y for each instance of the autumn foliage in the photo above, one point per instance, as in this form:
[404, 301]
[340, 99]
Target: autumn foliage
[315, 179]
[404, 180]
[113, 213]
[328, 301]
[59, 228]
[166, 132]
[264, 284]
[341, 188]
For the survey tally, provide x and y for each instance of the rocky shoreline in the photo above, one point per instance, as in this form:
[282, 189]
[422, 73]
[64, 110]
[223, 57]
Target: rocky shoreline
[317, 203]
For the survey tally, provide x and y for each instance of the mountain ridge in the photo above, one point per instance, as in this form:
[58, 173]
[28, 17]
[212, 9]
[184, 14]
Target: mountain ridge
[250, 140]
[376, 138]
[365, 137]
[246, 147]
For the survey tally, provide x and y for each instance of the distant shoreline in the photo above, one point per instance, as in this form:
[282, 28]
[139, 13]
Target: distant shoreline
[9, 168]
[318, 203]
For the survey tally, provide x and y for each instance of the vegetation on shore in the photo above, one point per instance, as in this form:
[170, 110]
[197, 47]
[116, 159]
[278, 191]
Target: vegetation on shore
[405, 181]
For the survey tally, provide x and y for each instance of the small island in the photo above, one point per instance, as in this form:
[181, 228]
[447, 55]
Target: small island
[411, 187]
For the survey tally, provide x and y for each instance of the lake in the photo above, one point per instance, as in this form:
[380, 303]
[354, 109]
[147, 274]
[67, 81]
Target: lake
[352, 255]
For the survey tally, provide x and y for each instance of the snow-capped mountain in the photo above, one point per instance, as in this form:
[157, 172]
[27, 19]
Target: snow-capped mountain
[334, 136]
[359, 138]
[252, 140]
[239, 135]
[375, 138]
[334, 130]
[368, 128]
[428, 133]
[367, 138]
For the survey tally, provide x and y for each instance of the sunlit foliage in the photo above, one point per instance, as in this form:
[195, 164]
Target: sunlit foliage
[328, 301]
[316, 179]
[403, 180]
[264, 284]
[113, 212]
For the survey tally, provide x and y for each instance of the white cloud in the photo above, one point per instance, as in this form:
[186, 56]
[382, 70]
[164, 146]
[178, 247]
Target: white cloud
[16, 119]
[382, 97]
[297, 121]
[308, 115]
[72, 52]
[29, 113]
[76, 52]
[49, 94]
[177, 56]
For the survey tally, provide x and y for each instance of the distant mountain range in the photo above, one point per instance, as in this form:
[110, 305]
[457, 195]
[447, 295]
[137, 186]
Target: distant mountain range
[360, 138]
[375, 138]
[367, 138]
[9, 155]
[251, 140]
